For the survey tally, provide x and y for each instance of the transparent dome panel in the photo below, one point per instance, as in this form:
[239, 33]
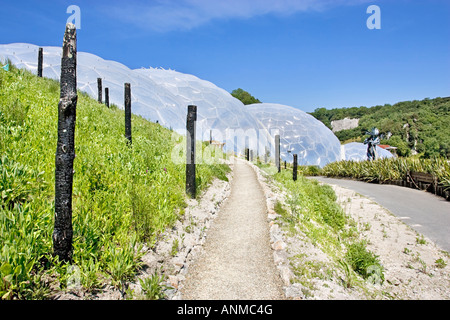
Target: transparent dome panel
[157, 94]
[357, 151]
[300, 133]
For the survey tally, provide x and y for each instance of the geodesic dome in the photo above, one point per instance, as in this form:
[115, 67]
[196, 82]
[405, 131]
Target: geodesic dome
[156, 94]
[218, 110]
[357, 151]
[299, 132]
[163, 96]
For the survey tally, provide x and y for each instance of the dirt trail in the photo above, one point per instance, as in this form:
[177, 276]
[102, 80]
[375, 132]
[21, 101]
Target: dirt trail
[237, 261]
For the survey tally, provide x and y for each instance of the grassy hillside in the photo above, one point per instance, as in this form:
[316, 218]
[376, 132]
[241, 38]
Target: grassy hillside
[415, 126]
[122, 197]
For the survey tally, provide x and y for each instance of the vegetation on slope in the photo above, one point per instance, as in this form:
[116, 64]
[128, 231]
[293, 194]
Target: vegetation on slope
[122, 196]
[412, 126]
[312, 208]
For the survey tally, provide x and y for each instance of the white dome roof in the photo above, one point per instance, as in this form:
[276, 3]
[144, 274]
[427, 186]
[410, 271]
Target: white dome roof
[299, 132]
[357, 151]
[157, 94]
[163, 96]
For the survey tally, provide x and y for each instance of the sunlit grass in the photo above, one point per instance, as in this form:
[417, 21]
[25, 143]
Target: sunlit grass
[122, 196]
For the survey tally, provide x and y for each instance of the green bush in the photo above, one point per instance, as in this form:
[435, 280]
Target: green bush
[363, 261]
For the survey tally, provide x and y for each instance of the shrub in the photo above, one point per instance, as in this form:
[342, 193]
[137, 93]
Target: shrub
[363, 261]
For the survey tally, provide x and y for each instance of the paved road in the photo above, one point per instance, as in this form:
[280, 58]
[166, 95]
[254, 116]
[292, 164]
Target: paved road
[424, 212]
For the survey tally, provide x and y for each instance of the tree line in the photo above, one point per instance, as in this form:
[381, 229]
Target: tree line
[414, 127]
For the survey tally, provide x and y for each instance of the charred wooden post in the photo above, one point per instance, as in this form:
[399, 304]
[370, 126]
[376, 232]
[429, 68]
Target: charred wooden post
[100, 90]
[266, 151]
[40, 62]
[190, 150]
[107, 97]
[294, 173]
[128, 112]
[65, 150]
[277, 152]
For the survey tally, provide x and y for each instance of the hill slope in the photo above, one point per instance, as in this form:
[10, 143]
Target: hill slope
[122, 197]
[412, 126]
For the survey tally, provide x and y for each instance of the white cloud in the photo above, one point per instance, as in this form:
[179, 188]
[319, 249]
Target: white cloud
[168, 15]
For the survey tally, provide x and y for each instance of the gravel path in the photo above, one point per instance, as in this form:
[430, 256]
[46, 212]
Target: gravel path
[237, 262]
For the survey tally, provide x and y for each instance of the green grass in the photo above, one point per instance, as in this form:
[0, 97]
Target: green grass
[312, 208]
[122, 196]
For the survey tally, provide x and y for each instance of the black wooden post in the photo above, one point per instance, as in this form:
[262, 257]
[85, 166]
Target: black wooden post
[65, 150]
[100, 90]
[247, 154]
[128, 112]
[294, 172]
[265, 154]
[284, 164]
[190, 150]
[107, 97]
[40, 62]
[277, 152]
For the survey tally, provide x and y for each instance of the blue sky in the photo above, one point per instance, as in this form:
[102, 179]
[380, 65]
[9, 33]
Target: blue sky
[302, 53]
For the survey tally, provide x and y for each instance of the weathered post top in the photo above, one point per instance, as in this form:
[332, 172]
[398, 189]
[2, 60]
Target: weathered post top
[40, 62]
[69, 62]
[192, 113]
[100, 90]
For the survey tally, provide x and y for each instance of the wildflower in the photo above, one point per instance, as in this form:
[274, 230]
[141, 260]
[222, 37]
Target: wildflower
[165, 170]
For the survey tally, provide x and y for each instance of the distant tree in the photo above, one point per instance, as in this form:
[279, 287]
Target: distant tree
[402, 147]
[431, 148]
[244, 96]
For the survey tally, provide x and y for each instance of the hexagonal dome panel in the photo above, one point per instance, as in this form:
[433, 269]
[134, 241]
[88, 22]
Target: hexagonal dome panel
[299, 133]
[157, 94]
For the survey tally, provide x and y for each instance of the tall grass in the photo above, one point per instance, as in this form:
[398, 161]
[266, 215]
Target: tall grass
[122, 196]
[389, 169]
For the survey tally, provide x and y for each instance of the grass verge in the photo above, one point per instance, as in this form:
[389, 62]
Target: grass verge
[310, 209]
